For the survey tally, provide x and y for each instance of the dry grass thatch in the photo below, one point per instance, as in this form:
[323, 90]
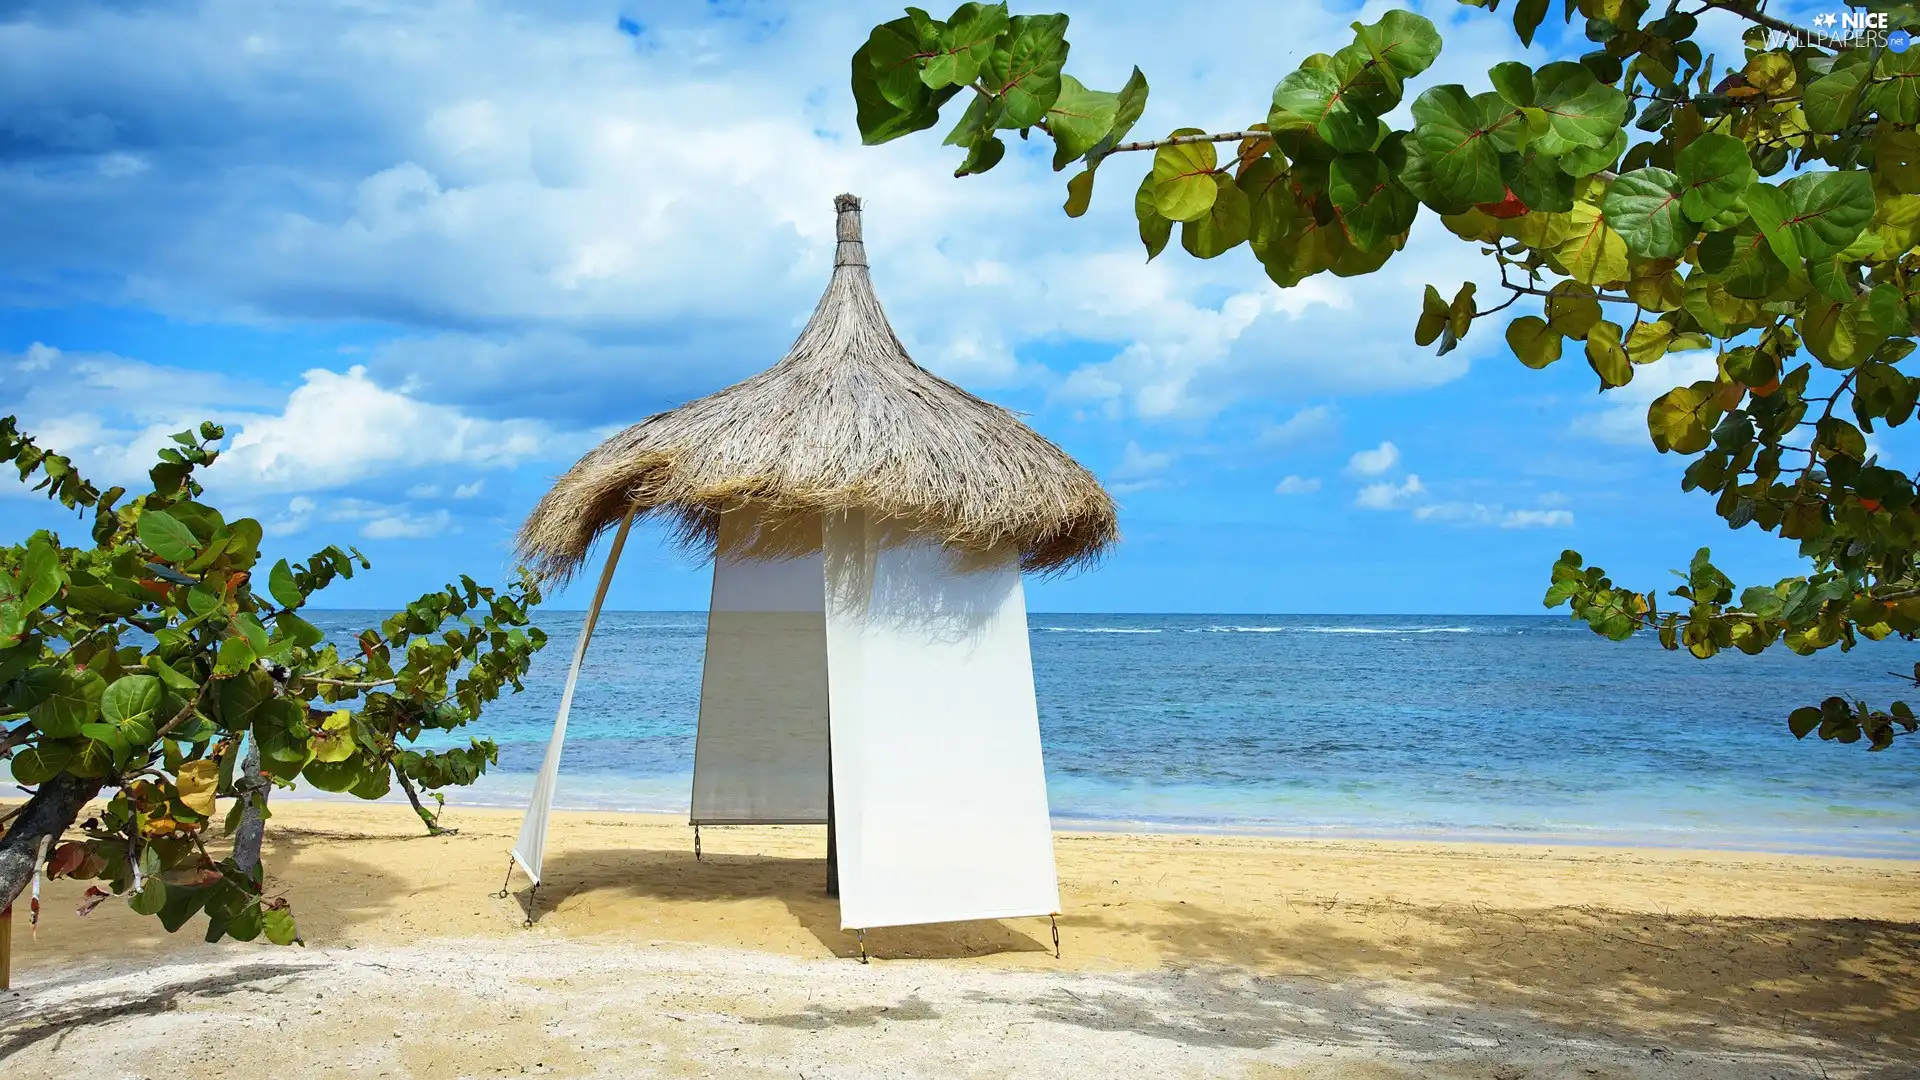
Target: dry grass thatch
[845, 421]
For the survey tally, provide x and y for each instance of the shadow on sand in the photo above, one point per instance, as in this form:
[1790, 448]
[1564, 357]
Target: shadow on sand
[799, 884]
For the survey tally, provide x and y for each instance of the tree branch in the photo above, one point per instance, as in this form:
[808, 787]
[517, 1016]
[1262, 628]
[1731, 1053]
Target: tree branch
[1182, 140]
[1752, 15]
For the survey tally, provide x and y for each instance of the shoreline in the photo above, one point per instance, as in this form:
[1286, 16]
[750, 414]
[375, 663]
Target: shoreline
[1679, 840]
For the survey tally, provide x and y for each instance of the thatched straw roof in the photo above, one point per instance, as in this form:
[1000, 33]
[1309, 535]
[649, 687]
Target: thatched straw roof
[845, 421]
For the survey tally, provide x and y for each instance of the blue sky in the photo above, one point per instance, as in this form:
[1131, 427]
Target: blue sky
[420, 256]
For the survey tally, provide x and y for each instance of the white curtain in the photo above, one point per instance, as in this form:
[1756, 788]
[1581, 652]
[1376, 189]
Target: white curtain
[530, 847]
[761, 753]
[940, 793]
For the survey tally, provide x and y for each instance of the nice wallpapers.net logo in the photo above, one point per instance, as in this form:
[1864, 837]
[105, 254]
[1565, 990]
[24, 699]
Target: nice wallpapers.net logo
[1847, 30]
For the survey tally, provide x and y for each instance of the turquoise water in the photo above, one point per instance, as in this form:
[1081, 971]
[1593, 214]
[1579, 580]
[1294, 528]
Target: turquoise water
[1516, 728]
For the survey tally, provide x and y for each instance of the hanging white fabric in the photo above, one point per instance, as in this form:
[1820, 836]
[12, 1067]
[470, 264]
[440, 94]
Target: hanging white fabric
[761, 753]
[940, 798]
[531, 845]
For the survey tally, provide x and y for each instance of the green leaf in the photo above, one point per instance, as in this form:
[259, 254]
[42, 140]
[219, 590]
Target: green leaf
[1224, 225]
[893, 53]
[1838, 335]
[1537, 180]
[1644, 207]
[1133, 102]
[1593, 251]
[1463, 161]
[1024, 67]
[39, 762]
[979, 120]
[1648, 341]
[1572, 309]
[1803, 720]
[1745, 262]
[1513, 80]
[1829, 101]
[965, 44]
[130, 699]
[879, 119]
[1435, 316]
[1079, 118]
[1155, 229]
[1533, 341]
[1079, 193]
[1681, 420]
[1581, 111]
[1312, 99]
[1827, 210]
[1183, 184]
[334, 743]
[1895, 94]
[278, 924]
[165, 536]
[40, 575]
[1369, 205]
[1583, 161]
[73, 701]
[1607, 356]
[336, 776]
[1406, 42]
[284, 589]
[1527, 16]
[1714, 173]
[984, 154]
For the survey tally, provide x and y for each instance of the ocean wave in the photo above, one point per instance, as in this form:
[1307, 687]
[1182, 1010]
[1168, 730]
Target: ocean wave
[1098, 629]
[1332, 630]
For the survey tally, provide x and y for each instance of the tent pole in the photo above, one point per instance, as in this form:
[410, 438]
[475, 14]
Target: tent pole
[833, 838]
[529, 848]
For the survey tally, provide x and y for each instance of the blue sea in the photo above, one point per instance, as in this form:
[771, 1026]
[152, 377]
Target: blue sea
[1526, 728]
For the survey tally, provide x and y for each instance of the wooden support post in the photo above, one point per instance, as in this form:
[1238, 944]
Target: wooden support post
[833, 840]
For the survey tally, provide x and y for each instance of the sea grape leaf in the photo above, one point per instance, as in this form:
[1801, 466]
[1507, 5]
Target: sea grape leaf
[1826, 211]
[1463, 160]
[1644, 207]
[1079, 118]
[1024, 67]
[1714, 173]
[1183, 185]
[1224, 225]
[1533, 341]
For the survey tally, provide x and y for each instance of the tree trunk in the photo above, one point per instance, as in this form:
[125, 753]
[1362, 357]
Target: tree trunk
[252, 789]
[48, 814]
[427, 817]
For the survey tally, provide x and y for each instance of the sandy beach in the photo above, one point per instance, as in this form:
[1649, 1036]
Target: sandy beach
[1184, 955]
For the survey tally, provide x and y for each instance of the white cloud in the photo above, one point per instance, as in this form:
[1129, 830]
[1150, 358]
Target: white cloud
[298, 512]
[338, 428]
[1386, 495]
[653, 208]
[1136, 463]
[1537, 519]
[1375, 461]
[1297, 485]
[407, 526]
[1475, 513]
[1311, 424]
[468, 491]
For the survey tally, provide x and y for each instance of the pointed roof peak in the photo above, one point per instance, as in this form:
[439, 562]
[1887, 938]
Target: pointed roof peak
[850, 251]
[845, 421]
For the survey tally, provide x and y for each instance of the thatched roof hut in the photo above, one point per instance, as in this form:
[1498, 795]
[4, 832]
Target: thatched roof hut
[846, 420]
